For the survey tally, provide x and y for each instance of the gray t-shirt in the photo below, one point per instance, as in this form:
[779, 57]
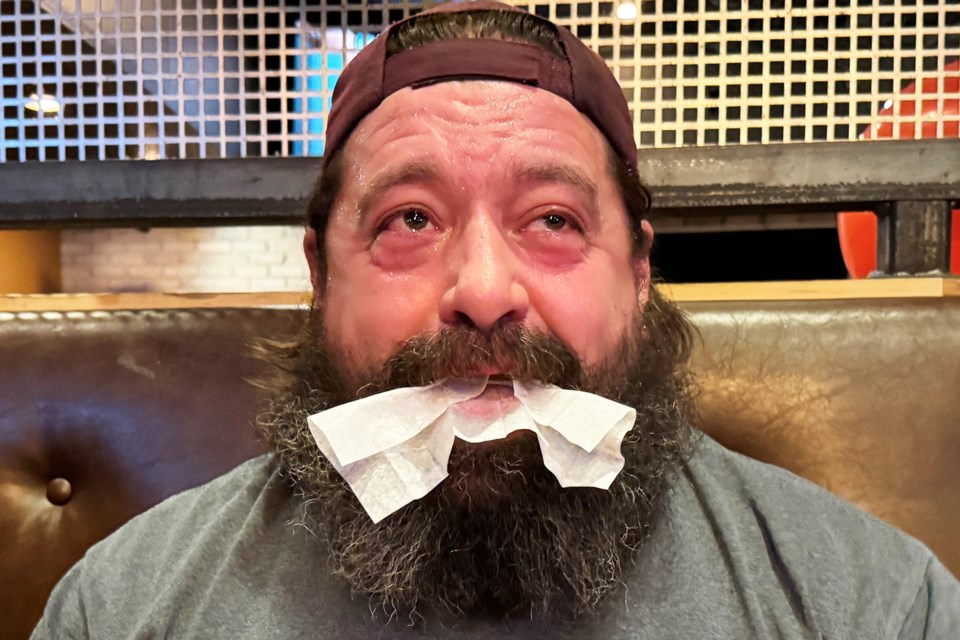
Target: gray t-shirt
[746, 550]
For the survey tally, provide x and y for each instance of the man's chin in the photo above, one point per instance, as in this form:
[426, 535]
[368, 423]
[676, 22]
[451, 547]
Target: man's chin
[484, 475]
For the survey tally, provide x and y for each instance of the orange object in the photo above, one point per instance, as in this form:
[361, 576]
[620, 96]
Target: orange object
[858, 230]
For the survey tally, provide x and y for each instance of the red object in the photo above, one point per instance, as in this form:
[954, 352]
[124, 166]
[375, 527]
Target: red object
[858, 230]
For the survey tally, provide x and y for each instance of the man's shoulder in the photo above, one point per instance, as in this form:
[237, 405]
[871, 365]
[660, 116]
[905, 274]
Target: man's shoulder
[160, 565]
[768, 492]
[208, 512]
[789, 508]
[199, 520]
[792, 546]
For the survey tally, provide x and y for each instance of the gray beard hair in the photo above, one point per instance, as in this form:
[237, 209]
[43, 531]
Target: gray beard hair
[498, 536]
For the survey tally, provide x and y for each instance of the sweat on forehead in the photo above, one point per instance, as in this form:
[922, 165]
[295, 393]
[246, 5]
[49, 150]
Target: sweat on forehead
[578, 75]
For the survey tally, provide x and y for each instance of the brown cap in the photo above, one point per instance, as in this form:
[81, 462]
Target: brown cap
[581, 77]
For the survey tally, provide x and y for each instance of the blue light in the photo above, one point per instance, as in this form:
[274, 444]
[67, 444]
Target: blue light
[328, 65]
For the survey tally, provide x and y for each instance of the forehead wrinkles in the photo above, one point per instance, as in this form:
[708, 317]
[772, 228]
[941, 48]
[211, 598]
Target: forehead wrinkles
[476, 125]
[491, 105]
[479, 102]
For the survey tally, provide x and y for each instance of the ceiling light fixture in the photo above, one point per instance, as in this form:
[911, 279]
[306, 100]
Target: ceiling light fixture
[627, 11]
[42, 103]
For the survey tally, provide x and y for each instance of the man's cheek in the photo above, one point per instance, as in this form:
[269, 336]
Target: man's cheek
[387, 318]
[582, 319]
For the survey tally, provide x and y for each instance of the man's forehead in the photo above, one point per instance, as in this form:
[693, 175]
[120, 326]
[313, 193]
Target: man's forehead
[502, 130]
[487, 103]
[477, 115]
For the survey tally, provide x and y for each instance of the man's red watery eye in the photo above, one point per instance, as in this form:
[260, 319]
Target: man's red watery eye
[415, 220]
[555, 222]
[403, 237]
[405, 221]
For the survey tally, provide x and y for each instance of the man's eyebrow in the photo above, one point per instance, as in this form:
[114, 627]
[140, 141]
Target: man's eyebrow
[562, 173]
[412, 173]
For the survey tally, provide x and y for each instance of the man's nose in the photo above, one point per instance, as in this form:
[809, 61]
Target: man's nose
[487, 287]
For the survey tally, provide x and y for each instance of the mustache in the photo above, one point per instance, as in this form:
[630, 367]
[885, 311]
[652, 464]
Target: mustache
[509, 350]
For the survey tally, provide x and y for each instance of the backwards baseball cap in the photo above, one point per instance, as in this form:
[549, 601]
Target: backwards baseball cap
[580, 77]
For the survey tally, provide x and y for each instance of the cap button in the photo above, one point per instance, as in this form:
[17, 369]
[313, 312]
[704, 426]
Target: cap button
[59, 491]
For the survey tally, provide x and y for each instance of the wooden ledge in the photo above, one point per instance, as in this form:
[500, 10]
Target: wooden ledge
[919, 287]
[912, 287]
[134, 301]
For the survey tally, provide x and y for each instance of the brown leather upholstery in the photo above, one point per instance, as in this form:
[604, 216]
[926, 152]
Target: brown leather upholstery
[861, 397]
[104, 414]
[124, 408]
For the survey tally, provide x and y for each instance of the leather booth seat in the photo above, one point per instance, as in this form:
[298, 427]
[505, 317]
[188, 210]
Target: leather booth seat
[104, 414]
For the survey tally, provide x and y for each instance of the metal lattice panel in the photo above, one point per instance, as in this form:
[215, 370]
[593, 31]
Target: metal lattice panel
[147, 79]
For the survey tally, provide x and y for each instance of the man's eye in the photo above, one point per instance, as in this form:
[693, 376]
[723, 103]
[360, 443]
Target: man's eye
[555, 222]
[405, 221]
[415, 220]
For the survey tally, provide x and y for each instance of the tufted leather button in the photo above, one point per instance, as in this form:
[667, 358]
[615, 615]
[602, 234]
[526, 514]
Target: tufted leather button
[59, 491]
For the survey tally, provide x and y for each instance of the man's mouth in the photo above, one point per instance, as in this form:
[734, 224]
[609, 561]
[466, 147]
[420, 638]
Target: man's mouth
[495, 400]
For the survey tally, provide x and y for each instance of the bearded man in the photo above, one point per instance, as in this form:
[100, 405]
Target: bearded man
[480, 265]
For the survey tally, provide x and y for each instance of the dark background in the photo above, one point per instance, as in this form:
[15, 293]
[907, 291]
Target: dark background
[796, 254]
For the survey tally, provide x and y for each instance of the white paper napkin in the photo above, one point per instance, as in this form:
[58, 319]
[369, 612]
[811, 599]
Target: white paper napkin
[393, 448]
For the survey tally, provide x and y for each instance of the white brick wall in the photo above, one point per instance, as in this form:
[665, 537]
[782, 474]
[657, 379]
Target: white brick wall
[224, 259]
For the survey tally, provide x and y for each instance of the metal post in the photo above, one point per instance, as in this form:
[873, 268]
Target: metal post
[913, 237]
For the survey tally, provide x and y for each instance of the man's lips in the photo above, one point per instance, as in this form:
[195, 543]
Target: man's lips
[496, 399]
[492, 374]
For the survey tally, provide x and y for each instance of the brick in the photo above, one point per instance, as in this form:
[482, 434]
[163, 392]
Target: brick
[297, 284]
[251, 271]
[72, 247]
[110, 271]
[243, 248]
[225, 284]
[182, 270]
[174, 250]
[169, 285]
[214, 246]
[267, 257]
[268, 284]
[290, 270]
[147, 272]
[210, 260]
[234, 233]
[128, 258]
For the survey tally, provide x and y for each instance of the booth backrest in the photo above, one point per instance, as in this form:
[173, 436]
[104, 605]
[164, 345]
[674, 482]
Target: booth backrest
[861, 397]
[104, 414]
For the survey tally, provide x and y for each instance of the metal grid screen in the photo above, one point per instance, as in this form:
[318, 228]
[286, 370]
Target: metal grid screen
[147, 79]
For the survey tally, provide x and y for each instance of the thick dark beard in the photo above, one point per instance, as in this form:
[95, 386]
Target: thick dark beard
[499, 535]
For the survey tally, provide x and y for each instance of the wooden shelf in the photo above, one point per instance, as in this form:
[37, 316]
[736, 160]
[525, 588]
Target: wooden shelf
[62, 302]
[919, 287]
[913, 287]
